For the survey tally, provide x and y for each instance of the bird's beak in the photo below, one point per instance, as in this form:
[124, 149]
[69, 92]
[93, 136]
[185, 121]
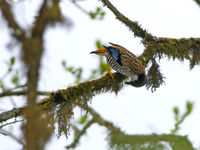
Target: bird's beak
[93, 52]
[99, 51]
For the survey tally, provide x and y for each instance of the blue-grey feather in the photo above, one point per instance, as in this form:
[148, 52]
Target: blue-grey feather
[115, 53]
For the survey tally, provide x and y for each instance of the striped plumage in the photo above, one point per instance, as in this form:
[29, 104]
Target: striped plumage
[124, 62]
[117, 66]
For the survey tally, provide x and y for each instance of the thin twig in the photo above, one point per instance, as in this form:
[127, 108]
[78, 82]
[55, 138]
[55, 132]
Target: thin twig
[9, 123]
[18, 32]
[79, 7]
[134, 26]
[20, 93]
[11, 114]
[7, 133]
[98, 119]
[80, 134]
[17, 87]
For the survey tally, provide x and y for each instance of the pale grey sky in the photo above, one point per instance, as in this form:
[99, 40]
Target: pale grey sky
[134, 110]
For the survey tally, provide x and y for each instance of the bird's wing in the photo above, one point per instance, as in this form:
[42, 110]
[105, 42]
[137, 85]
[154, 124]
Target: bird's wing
[115, 53]
[131, 61]
[125, 58]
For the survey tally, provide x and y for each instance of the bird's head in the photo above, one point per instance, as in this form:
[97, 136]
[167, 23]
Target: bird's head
[101, 52]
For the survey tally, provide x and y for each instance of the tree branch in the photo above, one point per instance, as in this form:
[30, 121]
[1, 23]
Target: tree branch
[133, 26]
[176, 142]
[116, 135]
[32, 50]
[158, 47]
[119, 138]
[15, 112]
[102, 122]
[174, 48]
[9, 123]
[18, 32]
[96, 118]
[198, 2]
[48, 14]
[7, 133]
[83, 92]
[20, 93]
[80, 134]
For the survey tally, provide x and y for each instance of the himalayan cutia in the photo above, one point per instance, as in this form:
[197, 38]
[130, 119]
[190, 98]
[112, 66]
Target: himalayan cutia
[124, 62]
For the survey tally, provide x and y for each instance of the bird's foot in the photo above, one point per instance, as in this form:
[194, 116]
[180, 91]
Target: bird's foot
[110, 74]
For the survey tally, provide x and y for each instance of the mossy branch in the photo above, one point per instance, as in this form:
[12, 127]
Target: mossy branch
[159, 47]
[152, 141]
[81, 93]
[72, 96]
[119, 140]
[17, 31]
[61, 103]
[132, 25]
[32, 49]
[181, 49]
[79, 134]
[15, 112]
[198, 2]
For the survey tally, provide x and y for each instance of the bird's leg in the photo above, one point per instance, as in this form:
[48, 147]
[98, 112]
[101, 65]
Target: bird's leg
[111, 74]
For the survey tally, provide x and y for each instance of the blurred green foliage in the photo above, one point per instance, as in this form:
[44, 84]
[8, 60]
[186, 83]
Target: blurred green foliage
[15, 78]
[102, 63]
[12, 75]
[83, 119]
[77, 73]
[97, 14]
[180, 118]
[11, 64]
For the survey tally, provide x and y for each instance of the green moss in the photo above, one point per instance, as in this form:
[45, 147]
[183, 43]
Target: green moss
[155, 77]
[60, 104]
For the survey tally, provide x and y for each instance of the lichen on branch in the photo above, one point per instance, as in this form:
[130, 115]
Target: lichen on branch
[159, 47]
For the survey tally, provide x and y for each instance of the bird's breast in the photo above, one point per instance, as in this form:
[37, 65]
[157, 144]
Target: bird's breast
[117, 67]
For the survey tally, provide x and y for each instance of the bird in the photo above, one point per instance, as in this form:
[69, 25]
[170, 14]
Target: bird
[124, 62]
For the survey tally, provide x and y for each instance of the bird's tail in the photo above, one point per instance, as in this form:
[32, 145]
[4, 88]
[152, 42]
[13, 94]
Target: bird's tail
[141, 81]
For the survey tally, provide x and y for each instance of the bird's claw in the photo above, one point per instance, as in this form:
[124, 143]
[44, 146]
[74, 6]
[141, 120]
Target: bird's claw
[111, 74]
